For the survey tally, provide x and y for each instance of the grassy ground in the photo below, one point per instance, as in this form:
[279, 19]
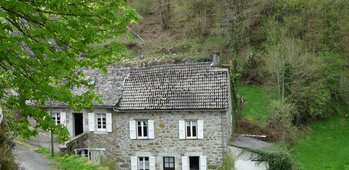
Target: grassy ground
[326, 147]
[69, 162]
[257, 100]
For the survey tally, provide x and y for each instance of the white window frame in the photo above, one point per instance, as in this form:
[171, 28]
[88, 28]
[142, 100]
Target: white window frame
[190, 122]
[141, 136]
[103, 122]
[142, 164]
[57, 118]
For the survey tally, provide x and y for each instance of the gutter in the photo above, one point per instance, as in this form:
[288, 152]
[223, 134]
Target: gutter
[167, 110]
[222, 131]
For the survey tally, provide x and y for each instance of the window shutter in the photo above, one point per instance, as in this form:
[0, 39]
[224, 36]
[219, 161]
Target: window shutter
[133, 163]
[151, 163]
[181, 128]
[202, 162]
[109, 122]
[151, 129]
[63, 118]
[185, 163]
[91, 122]
[132, 129]
[200, 129]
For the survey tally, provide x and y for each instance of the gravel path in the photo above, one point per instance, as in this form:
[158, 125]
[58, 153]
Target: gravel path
[30, 160]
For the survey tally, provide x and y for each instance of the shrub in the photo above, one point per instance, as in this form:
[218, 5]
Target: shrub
[228, 162]
[277, 159]
[280, 122]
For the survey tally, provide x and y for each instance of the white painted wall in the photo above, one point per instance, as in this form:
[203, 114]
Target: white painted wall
[244, 160]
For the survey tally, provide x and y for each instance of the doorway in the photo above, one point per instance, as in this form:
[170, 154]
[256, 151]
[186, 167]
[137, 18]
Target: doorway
[194, 162]
[78, 124]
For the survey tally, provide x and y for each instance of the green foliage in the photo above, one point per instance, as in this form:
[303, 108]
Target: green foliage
[302, 47]
[278, 159]
[68, 162]
[336, 75]
[298, 75]
[111, 164]
[75, 163]
[45, 45]
[280, 122]
[325, 146]
[228, 162]
[144, 7]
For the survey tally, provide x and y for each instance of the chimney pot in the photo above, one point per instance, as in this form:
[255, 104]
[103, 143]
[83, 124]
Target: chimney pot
[215, 59]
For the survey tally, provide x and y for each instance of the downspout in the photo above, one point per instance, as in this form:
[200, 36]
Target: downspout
[222, 130]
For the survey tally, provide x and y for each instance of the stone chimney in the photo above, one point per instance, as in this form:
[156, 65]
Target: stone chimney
[215, 60]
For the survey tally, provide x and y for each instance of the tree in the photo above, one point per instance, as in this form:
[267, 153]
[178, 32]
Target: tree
[44, 47]
[299, 76]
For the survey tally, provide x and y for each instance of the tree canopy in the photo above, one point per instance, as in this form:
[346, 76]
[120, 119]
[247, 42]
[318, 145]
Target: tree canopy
[45, 45]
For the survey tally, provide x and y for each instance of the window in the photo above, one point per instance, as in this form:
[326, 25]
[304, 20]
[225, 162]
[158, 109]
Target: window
[143, 163]
[93, 154]
[57, 118]
[84, 153]
[142, 129]
[101, 121]
[191, 129]
[169, 163]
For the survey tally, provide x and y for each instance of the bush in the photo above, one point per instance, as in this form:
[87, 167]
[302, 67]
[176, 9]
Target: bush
[70, 162]
[280, 122]
[277, 159]
[228, 162]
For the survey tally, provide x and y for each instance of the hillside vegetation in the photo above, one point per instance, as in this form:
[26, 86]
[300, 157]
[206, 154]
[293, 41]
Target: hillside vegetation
[297, 48]
[290, 59]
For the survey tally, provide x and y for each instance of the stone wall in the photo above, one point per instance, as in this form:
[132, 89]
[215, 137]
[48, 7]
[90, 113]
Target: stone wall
[119, 147]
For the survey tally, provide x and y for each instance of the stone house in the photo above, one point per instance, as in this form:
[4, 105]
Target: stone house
[165, 117]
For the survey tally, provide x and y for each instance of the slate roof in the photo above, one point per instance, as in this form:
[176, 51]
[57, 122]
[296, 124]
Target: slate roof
[190, 86]
[175, 87]
[108, 86]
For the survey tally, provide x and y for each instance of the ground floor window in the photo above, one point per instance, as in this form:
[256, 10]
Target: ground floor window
[143, 163]
[93, 154]
[83, 153]
[57, 118]
[169, 163]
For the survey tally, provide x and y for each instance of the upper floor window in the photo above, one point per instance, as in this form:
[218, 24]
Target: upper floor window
[191, 129]
[101, 119]
[142, 129]
[57, 118]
